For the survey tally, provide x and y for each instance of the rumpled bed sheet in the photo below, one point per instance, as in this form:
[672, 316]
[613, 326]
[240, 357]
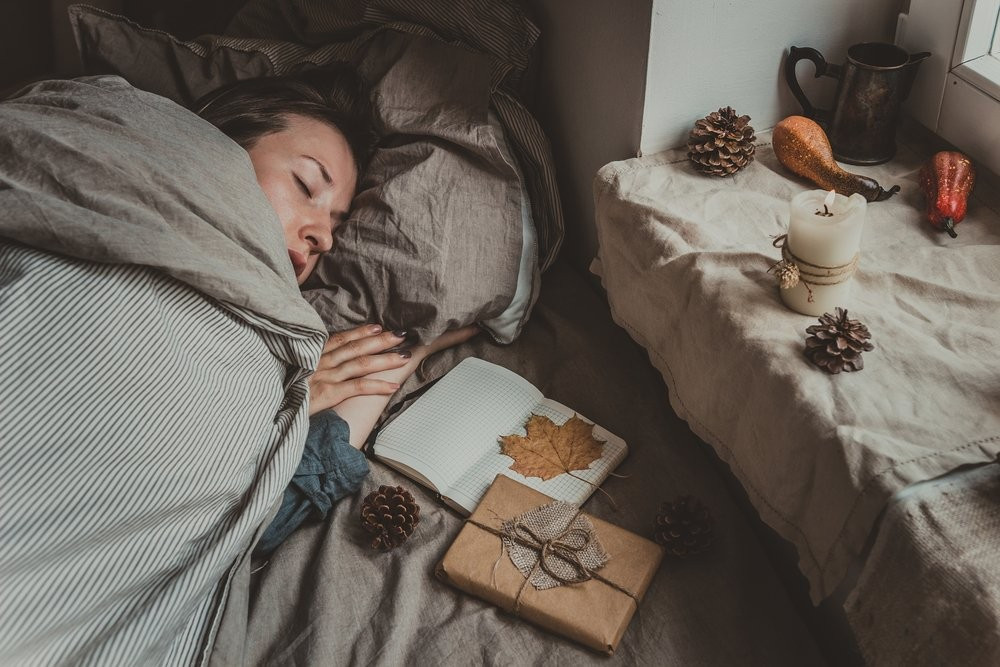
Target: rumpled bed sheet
[929, 593]
[325, 598]
[685, 259]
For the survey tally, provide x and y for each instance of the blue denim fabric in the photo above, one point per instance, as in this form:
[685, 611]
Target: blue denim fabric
[329, 470]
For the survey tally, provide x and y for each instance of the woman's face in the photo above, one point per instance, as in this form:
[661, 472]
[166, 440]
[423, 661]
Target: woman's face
[309, 175]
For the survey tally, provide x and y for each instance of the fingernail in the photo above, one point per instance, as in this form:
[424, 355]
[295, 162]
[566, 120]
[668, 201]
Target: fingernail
[406, 354]
[401, 333]
[375, 328]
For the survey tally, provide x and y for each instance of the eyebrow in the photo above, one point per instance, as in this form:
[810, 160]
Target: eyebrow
[340, 215]
[322, 170]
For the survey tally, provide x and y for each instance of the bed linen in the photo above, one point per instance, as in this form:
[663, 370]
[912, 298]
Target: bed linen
[928, 591]
[326, 598]
[684, 259]
[502, 30]
[155, 354]
[391, 262]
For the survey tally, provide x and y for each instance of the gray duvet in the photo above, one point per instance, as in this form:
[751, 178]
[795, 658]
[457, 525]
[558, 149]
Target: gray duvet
[96, 169]
[152, 374]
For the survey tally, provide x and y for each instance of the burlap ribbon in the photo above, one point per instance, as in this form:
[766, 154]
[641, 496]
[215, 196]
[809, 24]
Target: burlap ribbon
[563, 552]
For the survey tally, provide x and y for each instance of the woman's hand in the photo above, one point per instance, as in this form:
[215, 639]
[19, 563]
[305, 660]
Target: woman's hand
[421, 352]
[361, 411]
[350, 358]
[355, 363]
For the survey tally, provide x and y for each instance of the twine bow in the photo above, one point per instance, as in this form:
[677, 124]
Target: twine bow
[562, 546]
[566, 549]
[792, 270]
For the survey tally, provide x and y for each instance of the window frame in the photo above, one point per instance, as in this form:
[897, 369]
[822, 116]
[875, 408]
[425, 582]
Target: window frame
[974, 59]
[957, 93]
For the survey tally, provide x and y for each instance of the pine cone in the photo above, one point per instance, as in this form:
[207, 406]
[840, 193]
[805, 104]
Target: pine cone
[684, 527]
[788, 274]
[390, 514]
[836, 343]
[721, 143]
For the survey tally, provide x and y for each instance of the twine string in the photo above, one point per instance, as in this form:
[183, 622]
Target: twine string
[566, 546]
[561, 546]
[597, 487]
[809, 274]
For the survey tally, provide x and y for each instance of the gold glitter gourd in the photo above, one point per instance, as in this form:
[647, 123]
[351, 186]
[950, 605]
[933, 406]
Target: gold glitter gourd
[802, 146]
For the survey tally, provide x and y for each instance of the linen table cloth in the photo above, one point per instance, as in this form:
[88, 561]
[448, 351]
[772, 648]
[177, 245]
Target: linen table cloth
[684, 259]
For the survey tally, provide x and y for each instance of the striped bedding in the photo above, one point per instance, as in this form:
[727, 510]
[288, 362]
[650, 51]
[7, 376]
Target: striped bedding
[154, 349]
[152, 374]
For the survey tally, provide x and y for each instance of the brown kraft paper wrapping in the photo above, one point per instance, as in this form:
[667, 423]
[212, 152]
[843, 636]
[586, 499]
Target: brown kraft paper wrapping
[592, 613]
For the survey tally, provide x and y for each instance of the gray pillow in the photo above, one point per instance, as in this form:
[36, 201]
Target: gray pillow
[434, 240]
[502, 30]
[498, 28]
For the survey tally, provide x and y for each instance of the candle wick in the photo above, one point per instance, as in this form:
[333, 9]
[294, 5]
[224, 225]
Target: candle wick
[826, 212]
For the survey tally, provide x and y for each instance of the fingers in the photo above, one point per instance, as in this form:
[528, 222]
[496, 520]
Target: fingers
[355, 363]
[364, 365]
[357, 351]
[324, 395]
[341, 338]
[355, 344]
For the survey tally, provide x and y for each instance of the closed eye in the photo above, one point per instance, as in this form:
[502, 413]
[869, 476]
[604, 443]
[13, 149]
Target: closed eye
[303, 187]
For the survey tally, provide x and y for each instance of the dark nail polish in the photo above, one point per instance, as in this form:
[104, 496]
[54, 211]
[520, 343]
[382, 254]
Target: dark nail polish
[406, 354]
[401, 333]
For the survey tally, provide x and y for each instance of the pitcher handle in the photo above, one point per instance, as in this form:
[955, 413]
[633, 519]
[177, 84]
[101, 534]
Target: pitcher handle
[823, 68]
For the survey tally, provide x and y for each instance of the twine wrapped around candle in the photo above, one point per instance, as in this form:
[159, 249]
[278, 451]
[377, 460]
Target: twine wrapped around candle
[551, 546]
[792, 270]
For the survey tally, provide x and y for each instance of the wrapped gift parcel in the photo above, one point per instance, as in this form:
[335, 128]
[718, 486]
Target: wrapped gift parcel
[549, 563]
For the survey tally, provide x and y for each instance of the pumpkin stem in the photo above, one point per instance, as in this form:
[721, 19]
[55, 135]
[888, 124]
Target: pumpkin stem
[882, 195]
[949, 226]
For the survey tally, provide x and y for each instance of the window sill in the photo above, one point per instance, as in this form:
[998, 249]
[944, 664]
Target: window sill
[970, 119]
[983, 73]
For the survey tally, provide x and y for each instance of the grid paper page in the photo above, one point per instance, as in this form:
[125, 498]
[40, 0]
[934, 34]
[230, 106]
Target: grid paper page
[450, 427]
[471, 487]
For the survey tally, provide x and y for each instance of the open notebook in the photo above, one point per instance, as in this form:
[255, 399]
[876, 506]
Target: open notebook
[448, 439]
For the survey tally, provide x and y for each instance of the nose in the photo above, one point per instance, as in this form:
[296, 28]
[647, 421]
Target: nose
[318, 235]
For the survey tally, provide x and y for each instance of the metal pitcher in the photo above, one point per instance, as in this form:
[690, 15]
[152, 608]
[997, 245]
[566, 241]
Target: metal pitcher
[866, 108]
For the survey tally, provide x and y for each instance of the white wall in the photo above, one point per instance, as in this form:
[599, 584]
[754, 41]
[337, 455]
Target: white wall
[707, 54]
[592, 57]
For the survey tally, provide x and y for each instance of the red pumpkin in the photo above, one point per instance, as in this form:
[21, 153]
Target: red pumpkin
[947, 180]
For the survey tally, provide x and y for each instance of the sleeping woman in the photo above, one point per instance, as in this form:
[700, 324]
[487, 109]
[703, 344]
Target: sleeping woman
[159, 369]
[309, 137]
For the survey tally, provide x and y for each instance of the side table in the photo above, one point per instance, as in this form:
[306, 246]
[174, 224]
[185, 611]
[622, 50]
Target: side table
[684, 260]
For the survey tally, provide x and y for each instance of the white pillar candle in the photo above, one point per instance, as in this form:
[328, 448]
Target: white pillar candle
[824, 234]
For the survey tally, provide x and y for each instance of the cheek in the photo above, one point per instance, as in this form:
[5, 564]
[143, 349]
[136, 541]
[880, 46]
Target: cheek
[311, 263]
[281, 203]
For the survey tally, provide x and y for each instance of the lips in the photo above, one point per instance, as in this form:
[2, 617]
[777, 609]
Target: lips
[298, 261]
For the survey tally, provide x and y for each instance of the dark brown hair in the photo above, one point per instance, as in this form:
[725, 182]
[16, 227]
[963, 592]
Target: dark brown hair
[337, 95]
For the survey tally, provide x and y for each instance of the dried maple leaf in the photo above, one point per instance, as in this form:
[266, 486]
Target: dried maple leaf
[550, 450]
